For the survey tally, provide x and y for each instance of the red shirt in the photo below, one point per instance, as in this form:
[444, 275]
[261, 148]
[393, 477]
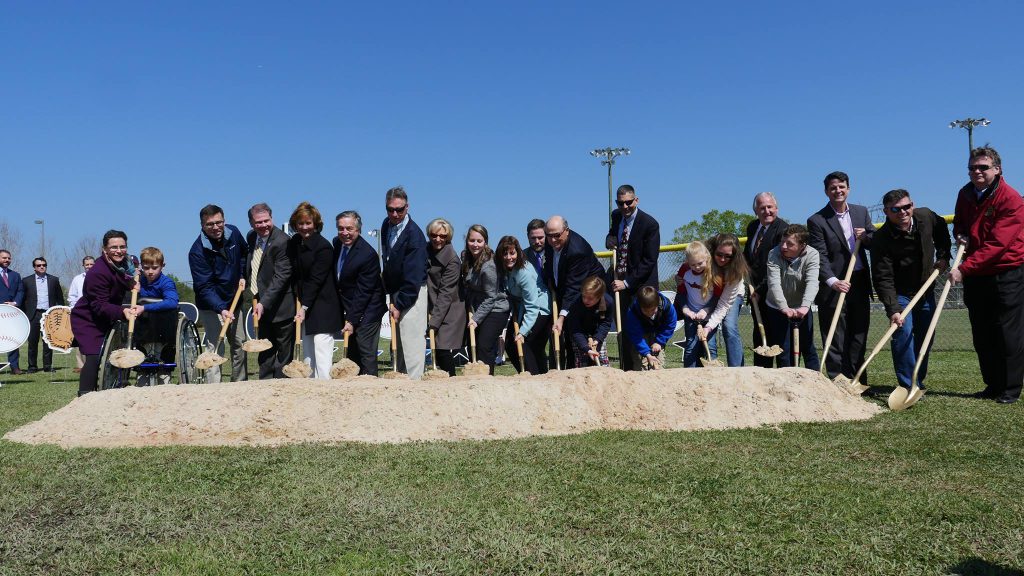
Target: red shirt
[994, 227]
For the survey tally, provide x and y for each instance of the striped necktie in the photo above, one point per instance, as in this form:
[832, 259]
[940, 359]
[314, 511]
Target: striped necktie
[257, 258]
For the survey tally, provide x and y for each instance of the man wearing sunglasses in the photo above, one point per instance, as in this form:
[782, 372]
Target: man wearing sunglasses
[989, 218]
[404, 250]
[635, 236]
[42, 291]
[905, 250]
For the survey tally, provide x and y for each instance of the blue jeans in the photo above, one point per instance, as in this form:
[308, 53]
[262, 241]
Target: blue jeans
[906, 341]
[695, 348]
[780, 329]
[731, 333]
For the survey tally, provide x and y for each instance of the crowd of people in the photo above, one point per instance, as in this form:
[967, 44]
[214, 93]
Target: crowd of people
[556, 302]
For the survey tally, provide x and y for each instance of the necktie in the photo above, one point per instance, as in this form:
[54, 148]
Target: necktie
[341, 260]
[4, 271]
[257, 258]
[760, 237]
[623, 253]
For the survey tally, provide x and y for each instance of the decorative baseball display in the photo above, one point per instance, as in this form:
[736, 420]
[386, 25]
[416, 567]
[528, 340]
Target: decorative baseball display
[14, 328]
[56, 325]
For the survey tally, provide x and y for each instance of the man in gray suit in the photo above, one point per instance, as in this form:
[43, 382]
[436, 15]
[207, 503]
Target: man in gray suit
[834, 231]
[268, 276]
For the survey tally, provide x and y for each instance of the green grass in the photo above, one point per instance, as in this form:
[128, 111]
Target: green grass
[934, 490]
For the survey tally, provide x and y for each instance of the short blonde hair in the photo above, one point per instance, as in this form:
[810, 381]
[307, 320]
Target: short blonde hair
[698, 251]
[444, 226]
[593, 286]
[151, 255]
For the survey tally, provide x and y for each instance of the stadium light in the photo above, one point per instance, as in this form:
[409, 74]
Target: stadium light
[42, 238]
[969, 124]
[608, 156]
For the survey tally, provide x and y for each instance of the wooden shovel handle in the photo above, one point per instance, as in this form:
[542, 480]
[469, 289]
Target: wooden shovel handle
[135, 298]
[433, 349]
[519, 345]
[255, 318]
[298, 323]
[472, 339]
[757, 316]
[935, 317]
[839, 304]
[234, 302]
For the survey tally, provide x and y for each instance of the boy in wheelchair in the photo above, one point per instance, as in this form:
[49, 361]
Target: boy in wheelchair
[156, 319]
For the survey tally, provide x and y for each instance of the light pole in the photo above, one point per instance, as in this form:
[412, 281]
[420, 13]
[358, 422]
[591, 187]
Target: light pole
[969, 125]
[42, 238]
[608, 156]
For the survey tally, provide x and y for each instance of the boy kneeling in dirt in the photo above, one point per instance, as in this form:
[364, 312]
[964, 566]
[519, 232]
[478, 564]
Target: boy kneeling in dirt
[588, 323]
[792, 286]
[650, 322]
[157, 314]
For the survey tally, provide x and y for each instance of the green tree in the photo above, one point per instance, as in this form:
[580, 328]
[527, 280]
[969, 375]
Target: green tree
[711, 223]
[185, 291]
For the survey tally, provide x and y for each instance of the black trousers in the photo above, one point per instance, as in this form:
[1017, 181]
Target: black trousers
[487, 334]
[765, 361]
[362, 346]
[534, 348]
[89, 377]
[282, 336]
[995, 305]
[34, 336]
[846, 354]
[445, 360]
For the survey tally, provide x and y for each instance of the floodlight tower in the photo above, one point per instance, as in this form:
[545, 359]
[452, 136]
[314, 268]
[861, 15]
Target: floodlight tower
[608, 156]
[969, 124]
[42, 238]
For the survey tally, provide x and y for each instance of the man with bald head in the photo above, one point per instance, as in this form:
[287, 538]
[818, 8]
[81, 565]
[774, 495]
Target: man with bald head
[568, 260]
[763, 234]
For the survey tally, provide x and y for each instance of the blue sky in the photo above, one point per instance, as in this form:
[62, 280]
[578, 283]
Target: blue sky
[133, 115]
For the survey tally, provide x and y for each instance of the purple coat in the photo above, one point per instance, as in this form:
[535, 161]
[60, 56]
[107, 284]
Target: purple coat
[100, 305]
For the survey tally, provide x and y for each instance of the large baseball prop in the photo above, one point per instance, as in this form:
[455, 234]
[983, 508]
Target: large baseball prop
[14, 328]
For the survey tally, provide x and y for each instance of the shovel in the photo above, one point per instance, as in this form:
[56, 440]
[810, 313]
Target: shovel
[854, 386]
[210, 358]
[129, 357]
[519, 347]
[557, 334]
[344, 368]
[796, 344]
[297, 368]
[474, 368]
[901, 398]
[618, 313]
[709, 362]
[434, 373]
[258, 345]
[394, 374]
[839, 305]
[764, 349]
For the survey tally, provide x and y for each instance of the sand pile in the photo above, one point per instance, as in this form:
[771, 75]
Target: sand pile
[366, 409]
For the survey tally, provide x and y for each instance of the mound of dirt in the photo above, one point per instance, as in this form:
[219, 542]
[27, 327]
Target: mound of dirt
[367, 409]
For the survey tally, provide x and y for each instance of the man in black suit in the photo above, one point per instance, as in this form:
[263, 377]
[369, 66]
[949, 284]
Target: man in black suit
[568, 261]
[268, 274]
[536, 240]
[357, 271]
[763, 234]
[834, 231]
[635, 237]
[404, 248]
[41, 292]
[12, 291]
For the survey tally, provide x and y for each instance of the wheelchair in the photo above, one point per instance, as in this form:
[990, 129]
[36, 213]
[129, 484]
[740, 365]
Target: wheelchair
[170, 341]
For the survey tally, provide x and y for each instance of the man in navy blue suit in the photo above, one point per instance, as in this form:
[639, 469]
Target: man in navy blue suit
[568, 261]
[360, 291]
[404, 248]
[536, 240]
[11, 292]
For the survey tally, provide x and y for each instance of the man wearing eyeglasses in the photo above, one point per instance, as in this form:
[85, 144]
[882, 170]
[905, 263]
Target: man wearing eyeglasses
[42, 290]
[763, 234]
[404, 250]
[904, 251]
[268, 275]
[568, 261]
[989, 219]
[217, 262]
[834, 231]
[635, 236]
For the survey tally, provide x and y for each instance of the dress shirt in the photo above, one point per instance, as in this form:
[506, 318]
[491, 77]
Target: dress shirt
[42, 293]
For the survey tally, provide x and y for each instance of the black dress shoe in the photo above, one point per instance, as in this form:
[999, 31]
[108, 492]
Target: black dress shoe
[984, 394]
[49, 370]
[33, 370]
[1006, 399]
[16, 371]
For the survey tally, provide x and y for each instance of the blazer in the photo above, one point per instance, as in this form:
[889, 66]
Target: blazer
[314, 283]
[757, 260]
[527, 296]
[100, 305]
[447, 309]
[405, 265]
[274, 278]
[483, 294]
[576, 263]
[14, 290]
[360, 291]
[644, 242]
[53, 291]
[826, 236]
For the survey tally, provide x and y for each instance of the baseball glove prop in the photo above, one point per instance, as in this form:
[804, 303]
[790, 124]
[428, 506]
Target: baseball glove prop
[56, 328]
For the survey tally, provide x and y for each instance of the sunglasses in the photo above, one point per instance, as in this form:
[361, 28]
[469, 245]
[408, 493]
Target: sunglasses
[724, 256]
[398, 210]
[624, 203]
[901, 208]
[979, 168]
[555, 235]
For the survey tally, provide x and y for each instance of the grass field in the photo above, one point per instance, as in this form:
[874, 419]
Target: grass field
[933, 490]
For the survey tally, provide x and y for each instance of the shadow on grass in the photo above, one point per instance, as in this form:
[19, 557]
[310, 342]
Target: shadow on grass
[979, 567]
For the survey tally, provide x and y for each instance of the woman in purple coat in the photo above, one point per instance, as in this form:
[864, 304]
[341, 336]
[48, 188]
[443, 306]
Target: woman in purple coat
[100, 307]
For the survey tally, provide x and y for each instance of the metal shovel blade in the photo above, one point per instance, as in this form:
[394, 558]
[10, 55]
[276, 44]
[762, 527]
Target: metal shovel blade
[711, 363]
[852, 387]
[297, 369]
[257, 345]
[768, 351]
[898, 398]
[913, 398]
[126, 358]
[208, 360]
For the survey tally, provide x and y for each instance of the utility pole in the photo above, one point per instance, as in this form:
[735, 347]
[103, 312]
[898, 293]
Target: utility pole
[608, 156]
[969, 124]
[42, 238]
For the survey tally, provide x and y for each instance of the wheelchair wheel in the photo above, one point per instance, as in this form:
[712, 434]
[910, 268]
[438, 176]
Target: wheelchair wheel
[111, 376]
[187, 349]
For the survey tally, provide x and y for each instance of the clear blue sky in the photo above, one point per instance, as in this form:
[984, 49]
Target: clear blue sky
[133, 115]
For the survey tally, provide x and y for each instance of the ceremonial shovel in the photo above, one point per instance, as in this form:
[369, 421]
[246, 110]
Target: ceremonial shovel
[344, 368]
[557, 333]
[709, 362]
[297, 368]
[210, 358]
[519, 347]
[839, 304]
[854, 386]
[434, 373]
[394, 374]
[260, 344]
[901, 398]
[128, 357]
[764, 349]
[474, 368]
[796, 344]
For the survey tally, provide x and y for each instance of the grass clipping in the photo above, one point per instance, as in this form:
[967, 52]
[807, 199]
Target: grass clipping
[367, 409]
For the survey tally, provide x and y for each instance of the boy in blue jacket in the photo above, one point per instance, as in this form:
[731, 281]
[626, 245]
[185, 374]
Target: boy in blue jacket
[157, 314]
[650, 322]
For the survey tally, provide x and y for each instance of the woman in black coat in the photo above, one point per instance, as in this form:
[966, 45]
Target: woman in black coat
[320, 311]
[447, 317]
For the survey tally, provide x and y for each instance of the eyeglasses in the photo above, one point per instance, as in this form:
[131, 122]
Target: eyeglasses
[624, 203]
[213, 224]
[117, 248]
[443, 235]
[397, 210]
[724, 256]
[901, 208]
[555, 235]
[979, 168]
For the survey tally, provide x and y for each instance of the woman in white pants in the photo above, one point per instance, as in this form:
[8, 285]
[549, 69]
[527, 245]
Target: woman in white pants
[320, 311]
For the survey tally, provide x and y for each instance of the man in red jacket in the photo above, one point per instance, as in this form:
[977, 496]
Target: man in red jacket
[990, 220]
